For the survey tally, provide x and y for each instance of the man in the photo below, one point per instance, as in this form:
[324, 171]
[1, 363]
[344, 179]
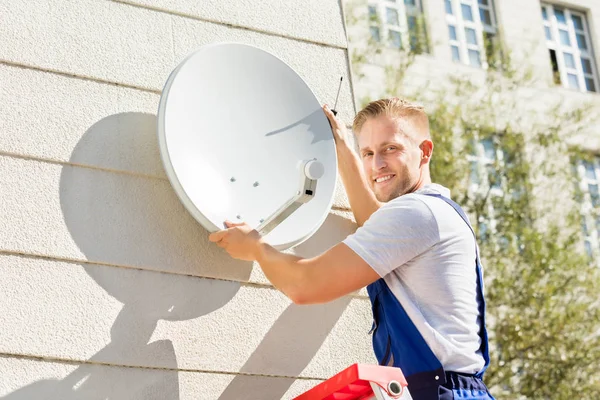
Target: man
[414, 248]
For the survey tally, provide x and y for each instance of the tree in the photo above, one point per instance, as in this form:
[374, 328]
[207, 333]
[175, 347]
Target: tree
[542, 301]
[541, 288]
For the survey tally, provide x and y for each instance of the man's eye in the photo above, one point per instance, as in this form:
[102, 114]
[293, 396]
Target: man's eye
[391, 148]
[367, 154]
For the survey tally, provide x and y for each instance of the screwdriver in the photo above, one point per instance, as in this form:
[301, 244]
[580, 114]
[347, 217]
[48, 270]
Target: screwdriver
[337, 97]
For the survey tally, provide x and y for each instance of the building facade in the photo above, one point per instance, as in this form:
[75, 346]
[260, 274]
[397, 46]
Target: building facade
[558, 43]
[518, 75]
[108, 287]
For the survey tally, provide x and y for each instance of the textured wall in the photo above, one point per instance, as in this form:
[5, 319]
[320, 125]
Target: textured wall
[108, 287]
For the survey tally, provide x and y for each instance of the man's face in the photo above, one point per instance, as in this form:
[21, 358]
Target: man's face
[391, 157]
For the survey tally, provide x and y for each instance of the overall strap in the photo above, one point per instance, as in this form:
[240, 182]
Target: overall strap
[480, 290]
[398, 343]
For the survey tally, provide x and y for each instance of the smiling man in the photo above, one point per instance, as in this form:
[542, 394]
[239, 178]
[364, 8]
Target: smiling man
[414, 250]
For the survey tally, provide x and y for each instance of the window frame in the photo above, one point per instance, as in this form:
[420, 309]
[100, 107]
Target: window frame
[460, 24]
[483, 162]
[554, 44]
[404, 11]
[590, 222]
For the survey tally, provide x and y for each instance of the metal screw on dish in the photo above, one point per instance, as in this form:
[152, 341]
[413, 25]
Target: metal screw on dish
[232, 179]
[256, 184]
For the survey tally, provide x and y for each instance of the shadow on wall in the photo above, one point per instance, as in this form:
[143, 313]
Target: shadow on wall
[121, 219]
[312, 120]
[126, 220]
[298, 333]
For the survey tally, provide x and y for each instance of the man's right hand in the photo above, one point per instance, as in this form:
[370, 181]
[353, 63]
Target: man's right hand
[339, 129]
[362, 199]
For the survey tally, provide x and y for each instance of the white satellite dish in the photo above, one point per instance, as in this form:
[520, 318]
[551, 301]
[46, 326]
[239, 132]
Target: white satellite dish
[243, 138]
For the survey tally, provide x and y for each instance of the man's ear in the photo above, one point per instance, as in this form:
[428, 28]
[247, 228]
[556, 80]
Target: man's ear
[426, 149]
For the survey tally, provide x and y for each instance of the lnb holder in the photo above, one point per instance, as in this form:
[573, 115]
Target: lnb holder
[310, 172]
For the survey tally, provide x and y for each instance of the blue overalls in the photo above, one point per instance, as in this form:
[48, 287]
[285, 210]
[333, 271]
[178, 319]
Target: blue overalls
[398, 343]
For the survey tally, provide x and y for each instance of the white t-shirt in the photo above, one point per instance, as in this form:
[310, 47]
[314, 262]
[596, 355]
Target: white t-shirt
[426, 253]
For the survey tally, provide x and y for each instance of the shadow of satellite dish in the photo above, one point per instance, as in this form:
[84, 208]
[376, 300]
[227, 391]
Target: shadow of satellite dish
[138, 223]
[132, 222]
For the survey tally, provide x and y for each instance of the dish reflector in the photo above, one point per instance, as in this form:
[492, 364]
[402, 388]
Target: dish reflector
[240, 133]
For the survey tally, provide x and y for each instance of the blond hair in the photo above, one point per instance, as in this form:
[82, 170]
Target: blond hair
[395, 108]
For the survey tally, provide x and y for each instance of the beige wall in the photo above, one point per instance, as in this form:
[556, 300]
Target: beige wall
[108, 287]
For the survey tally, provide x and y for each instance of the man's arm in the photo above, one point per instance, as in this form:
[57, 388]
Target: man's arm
[362, 199]
[333, 274]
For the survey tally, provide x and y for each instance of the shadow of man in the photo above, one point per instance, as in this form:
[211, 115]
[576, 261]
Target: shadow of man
[311, 124]
[137, 224]
[297, 335]
[124, 220]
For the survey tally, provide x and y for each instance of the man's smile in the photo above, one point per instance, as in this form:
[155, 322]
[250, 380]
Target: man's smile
[383, 178]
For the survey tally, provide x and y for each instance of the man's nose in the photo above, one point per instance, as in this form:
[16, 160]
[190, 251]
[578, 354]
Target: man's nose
[378, 162]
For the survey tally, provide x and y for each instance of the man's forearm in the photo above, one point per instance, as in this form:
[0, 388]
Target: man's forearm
[284, 271]
[362, 199]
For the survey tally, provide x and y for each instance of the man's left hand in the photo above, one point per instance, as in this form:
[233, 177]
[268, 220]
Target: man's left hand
[239, 240]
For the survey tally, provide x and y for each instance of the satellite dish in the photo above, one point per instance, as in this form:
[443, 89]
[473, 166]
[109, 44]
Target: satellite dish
[243, 138]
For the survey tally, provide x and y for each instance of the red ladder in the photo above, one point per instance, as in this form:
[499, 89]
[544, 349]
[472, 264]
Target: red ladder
[361, 382]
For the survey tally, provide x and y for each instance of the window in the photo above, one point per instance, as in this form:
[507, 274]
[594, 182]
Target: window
[571, 56]
[471, 30]
[484, 179]
[589, 180]
[397, 23]
[483, 163]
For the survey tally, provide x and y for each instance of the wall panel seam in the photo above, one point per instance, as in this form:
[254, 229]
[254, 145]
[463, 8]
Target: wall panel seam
[256, 285]
[341, 208]
[71, 164]
[109, 170]
[230, 25]
[76, 76]
[143, 367]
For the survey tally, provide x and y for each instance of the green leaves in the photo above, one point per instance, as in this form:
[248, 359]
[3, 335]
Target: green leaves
[541, 290]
